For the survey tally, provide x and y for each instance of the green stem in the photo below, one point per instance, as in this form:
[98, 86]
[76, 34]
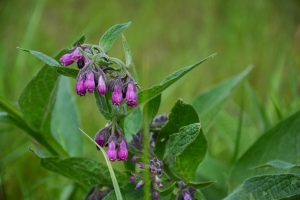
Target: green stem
[170, 173]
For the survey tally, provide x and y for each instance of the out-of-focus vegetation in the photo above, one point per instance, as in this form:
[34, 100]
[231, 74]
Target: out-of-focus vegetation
[163, 37]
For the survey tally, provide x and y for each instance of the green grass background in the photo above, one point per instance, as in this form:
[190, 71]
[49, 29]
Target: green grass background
[163, 37]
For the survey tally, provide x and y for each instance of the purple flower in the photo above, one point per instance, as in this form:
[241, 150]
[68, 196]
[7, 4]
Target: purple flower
[76, 55]
[80, 90]
[111, 151]
[67, 59]
[101, 137]
[132, 179]
[133, 159]
[155, 195]
[117, 95]
[123, 152]
[101, 86]
[141, 165]
[89, 83]
[187, 196]
[131, 97]
[139, 184]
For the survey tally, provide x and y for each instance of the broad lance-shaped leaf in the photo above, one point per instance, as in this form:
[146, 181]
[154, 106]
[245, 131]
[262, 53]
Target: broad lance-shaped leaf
[109, 37]
[182, 114]
[127, 52]
[69, 72]
[148, 94]
[185, 150]
[209, 102]
[133, 123]
[65, 122]
[43, 57]
[278, 164]
[279, 143]
[283, 186]
[83, 170]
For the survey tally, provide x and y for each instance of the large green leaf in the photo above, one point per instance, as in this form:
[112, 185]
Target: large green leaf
[83, 170]
[209, 102]
[128, 56]
[185, 150]
[149, 93]
[279, 143]
[133, 123]
[109, 37]
[283, 186]
[65, 71]
[278, 164]
[182, 114]
[65, 122]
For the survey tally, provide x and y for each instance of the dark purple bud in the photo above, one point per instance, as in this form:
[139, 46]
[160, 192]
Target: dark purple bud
[139, 184]
[76, 55]
[131, 96]
[123, 152]
[187, 196]
[132, 179]
[89, 83]
[117, 95]
[101, 86]
[133, 159]
[141, 165]
[159, 172]
[101, 137]
[67, 59]
[111, 151]
[80, 89]
[155, 195]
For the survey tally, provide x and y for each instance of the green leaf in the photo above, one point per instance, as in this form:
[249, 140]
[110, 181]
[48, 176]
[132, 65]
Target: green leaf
[65, 122]
[128, 56]
[152, 107]
[275, 144]
[133, 123]
[103, 104]
[128, 193]
[209, 102]
[167, 189]
[149, 93]
[69, 72]
[182, 114]
[83, 170]
[179, 141]
[278, 164]
[283, 186]
[200, 185]
[46, 59]
[109, 37]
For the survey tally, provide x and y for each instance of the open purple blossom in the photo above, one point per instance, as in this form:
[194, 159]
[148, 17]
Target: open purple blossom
[131, 96]
[101, 86]
[89, 83]
[123, 152]
[117, 95]
[111, 151]
[80, 89]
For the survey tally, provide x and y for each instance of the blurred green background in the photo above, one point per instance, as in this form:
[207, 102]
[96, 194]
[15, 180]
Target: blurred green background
[164, 36]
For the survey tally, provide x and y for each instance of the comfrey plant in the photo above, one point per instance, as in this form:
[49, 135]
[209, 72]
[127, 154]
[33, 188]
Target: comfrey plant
[161, 154]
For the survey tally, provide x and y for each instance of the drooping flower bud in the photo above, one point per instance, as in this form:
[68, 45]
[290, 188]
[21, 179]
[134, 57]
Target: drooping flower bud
[89, 83]
[80, 89]
[133, 159]
[131, 96]
[123, 152]
[155, 195]
[101, 86]
[132, 179]
[187, 196]
[141, 165]
[117, 95]
[67, 59]
[139, 184]
[76, 55]
[111, 151]
[101, 137]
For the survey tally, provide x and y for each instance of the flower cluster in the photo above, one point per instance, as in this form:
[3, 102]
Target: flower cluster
[114, 140]
[91, 76]
[155, 168]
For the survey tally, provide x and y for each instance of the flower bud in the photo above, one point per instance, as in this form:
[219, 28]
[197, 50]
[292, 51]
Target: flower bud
[141, 165]
[111, 151]
[139, 184]
[133, 159]
[187, 196]
[132, 179]
[101, 86]
[117, 95]
[89, 83]
[155, 195]
[80, 90]
[101, 137]
[76, 55]
[67, 59]
[131, 96]
[123, 152]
